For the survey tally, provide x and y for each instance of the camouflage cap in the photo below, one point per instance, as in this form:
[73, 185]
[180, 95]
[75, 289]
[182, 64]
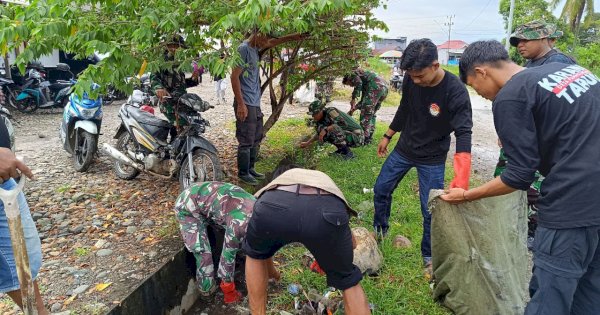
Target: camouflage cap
[534, 30]
[315, 107]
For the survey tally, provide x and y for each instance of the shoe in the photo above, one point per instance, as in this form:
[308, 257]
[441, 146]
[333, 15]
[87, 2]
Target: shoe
[248, 179]
[243, 160]
[251, 170]
[256, 174]
[348, 156]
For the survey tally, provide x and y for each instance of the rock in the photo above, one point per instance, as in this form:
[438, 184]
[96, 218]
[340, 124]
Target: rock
[365, 205]
[59, 216]
[139, 238]
[152, 254]
[147, 223]
[78, 197]
[96, 223]
[102, 275]
[126, 223]
[76, 230]
[367, 256]
[41, 135]
[131, 229]
[80, 289]
[402, 242]
[104, 252]
[36, 216]
[44, 222]
[55, 307]
[129, 213]
[100, 243]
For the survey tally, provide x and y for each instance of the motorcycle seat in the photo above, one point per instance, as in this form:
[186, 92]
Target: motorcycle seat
[146, 118]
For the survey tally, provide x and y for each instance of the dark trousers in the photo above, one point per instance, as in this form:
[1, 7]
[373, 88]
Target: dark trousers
[249, 132]
[566, 272]
[393, 170]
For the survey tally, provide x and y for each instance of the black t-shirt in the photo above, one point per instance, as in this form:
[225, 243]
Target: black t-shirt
[552, 56]
[428, 115]
[4, 137]
[548, 119]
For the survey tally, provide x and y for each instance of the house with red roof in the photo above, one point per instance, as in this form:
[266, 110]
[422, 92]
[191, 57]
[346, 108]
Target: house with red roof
[449, 52]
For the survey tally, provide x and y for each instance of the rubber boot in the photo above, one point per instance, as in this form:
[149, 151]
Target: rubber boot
[345, 152]
[231, 295]
[244, 167]
[252, 171]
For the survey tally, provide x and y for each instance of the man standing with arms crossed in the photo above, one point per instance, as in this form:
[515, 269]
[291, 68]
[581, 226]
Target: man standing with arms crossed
[434, 104]
[245, 81]
[548, 119]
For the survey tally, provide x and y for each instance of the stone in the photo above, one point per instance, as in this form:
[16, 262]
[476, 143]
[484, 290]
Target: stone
[43, 222]
[104, 252]
[147, 223]
[59, 216]
[36, 216]
[139, 237]
[80, 289]
[76, 230]
[131, 229]
[100, 243]
[402, 242]
[78, 197]
[102, 275]
[367, 256]
[130, 213]
[55, 307]
[152, 254]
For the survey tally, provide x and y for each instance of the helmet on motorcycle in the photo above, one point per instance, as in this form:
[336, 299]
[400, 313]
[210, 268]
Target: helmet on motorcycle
[194, 102]
[35, 65]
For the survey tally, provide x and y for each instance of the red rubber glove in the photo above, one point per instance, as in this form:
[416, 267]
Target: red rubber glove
[231, 294]
[316, 268]
[462, 170]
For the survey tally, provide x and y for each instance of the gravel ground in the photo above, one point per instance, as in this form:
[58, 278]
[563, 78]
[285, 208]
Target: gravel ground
[98, 229]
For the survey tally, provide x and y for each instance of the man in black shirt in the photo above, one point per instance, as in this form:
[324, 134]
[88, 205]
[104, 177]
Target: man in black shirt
[548, 119]
[434, 104]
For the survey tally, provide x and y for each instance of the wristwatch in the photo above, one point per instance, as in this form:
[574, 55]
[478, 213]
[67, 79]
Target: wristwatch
[385, 135]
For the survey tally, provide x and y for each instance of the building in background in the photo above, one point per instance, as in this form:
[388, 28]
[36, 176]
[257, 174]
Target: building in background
[449, 53]
[384, 44]
[391, 57]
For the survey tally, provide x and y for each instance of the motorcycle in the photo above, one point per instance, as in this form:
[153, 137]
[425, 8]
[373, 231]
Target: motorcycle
[6, 116]
[142, 144]
[80, 129]
[142, 84]
[396, 81]
[40, 93]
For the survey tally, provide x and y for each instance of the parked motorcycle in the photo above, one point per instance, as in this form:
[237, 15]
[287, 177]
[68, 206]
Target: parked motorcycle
[142, 144]
[37, 92]
[396, 81]
[5, 116]
[80, 129]
[142, 84]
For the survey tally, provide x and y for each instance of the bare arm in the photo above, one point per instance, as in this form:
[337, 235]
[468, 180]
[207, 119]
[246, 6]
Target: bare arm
[241, 111]
[495, 187]
[284, 39]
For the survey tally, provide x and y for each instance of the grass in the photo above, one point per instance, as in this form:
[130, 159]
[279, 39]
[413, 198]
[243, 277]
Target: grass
[400, 288]
[81, 251]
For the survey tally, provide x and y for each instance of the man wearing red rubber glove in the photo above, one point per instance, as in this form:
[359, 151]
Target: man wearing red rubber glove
[434, 104]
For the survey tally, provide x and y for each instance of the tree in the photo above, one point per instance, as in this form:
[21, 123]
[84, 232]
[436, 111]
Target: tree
[573, 11]
[132, 33]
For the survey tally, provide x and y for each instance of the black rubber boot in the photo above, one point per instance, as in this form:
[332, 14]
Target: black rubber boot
[346, 153]
[252, 171]
[244, 167]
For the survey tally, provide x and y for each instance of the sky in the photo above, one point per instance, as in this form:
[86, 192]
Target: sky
[473, 19]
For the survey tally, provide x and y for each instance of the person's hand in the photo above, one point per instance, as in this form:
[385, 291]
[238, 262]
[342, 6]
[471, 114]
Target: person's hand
[195, 75]
[322, 135]
[10, 166]
[382, 147]
[454, 196]
[161, 93]
[351, 112]
[241, 112]
[304, 144]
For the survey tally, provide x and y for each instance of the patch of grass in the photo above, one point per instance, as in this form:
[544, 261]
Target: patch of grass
[170, 228]
[400, 287]
[451, 69]
[63, 188]
[376, 65]
[81, 251]
[344, 93]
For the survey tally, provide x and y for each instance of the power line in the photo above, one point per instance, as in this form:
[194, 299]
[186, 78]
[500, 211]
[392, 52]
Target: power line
[449, 24]
[478, 15]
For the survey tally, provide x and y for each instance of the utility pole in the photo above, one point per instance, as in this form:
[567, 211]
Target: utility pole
[510, 23]
[449, 24]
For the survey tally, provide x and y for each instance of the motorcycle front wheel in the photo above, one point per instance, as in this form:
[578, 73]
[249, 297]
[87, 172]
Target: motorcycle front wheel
[122, 170]
[206, 168]
[85, 148]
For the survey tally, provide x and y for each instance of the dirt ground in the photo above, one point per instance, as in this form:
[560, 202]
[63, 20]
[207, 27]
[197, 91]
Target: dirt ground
[99, 230]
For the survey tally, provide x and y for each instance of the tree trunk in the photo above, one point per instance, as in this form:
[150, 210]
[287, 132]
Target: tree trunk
[7, 67]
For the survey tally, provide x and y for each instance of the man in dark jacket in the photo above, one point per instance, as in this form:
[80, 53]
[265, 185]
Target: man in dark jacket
[548, 119]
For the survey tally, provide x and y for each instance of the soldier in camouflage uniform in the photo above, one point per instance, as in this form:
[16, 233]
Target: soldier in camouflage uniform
[373, 90]
[324, 90]
[224, 205]
[171, 83]
[535, 42]
[335, 127]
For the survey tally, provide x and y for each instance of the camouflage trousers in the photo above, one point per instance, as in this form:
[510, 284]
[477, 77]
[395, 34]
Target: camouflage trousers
[193, 230]
[340, 137]
[369, 106]
[324, 90]
[168, 109]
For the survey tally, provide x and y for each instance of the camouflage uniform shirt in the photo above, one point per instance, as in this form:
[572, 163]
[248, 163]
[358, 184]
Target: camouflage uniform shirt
[373, 90]
[346, 131]
[213, 203]
[174, 82]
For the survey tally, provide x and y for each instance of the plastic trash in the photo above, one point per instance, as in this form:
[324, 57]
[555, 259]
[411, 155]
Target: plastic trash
[367, 190]
[294, 288]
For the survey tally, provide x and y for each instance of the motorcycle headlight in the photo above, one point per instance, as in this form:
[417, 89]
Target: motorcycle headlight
[87, 113]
